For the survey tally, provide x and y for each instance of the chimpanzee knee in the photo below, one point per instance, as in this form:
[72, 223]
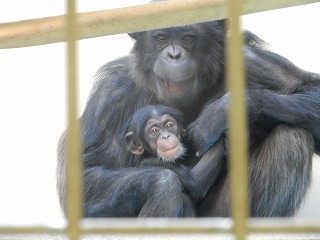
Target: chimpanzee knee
[131, 192]
[164, 196]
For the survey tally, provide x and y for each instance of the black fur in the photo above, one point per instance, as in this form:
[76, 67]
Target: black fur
[197, 180]
[283, 106]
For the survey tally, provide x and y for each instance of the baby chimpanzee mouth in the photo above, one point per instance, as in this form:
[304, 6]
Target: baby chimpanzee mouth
[171, 154]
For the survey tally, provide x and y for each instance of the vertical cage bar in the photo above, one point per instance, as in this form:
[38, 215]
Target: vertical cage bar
[237, 119]
[74, 173]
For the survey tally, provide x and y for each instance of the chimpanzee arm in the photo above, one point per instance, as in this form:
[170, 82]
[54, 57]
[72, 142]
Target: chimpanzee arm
[151, 162]
[276, 88]
[210, 125]
[197, 180]
[300, 109]
[200, 178]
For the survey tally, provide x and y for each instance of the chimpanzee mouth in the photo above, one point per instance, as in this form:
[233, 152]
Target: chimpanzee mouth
[172, 153]
[175, 88]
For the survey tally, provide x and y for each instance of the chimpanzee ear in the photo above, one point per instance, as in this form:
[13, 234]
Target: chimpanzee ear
[136, 35]
[136, 147]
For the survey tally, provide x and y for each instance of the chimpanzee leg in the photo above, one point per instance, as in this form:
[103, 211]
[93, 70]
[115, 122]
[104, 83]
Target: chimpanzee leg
[130, 192]
[280, 172]
[279, 176]
[189, 206]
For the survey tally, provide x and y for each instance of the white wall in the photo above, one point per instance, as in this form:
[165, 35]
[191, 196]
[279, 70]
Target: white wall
[32, 95]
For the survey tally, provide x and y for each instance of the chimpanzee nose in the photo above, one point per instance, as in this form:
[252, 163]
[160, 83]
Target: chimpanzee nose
[174, 52]
[165, 136]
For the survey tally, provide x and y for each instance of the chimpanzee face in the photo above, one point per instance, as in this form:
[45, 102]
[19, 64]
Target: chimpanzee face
[163, 137]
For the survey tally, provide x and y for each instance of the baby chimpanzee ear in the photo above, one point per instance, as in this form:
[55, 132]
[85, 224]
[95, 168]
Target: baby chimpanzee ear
[136, 147]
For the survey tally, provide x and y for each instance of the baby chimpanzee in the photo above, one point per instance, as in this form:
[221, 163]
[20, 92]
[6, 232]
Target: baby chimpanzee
[155, 137]
[155, 133]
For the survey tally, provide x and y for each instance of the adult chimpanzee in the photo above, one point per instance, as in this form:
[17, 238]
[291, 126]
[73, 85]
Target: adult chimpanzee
[155, 137]
[183, 67]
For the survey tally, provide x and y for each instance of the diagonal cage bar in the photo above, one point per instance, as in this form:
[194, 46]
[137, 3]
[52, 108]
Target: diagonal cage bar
[130, 19]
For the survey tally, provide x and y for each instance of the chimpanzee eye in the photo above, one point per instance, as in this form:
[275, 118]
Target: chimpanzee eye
[169, 125]
[188, 38]
[161, 37]
[154, 131]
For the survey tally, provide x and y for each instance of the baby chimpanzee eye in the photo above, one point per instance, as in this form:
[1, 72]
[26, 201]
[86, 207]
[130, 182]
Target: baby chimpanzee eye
[154, 131]
[169, 125]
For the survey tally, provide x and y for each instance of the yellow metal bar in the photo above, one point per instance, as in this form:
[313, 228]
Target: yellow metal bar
[74, 173]
[158, 225]
[238, 163]
[131, 19]
[284, 225]
[194, 225]
[30, 230]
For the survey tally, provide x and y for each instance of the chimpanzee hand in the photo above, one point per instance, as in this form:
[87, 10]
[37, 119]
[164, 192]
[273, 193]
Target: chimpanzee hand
[210, 125]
